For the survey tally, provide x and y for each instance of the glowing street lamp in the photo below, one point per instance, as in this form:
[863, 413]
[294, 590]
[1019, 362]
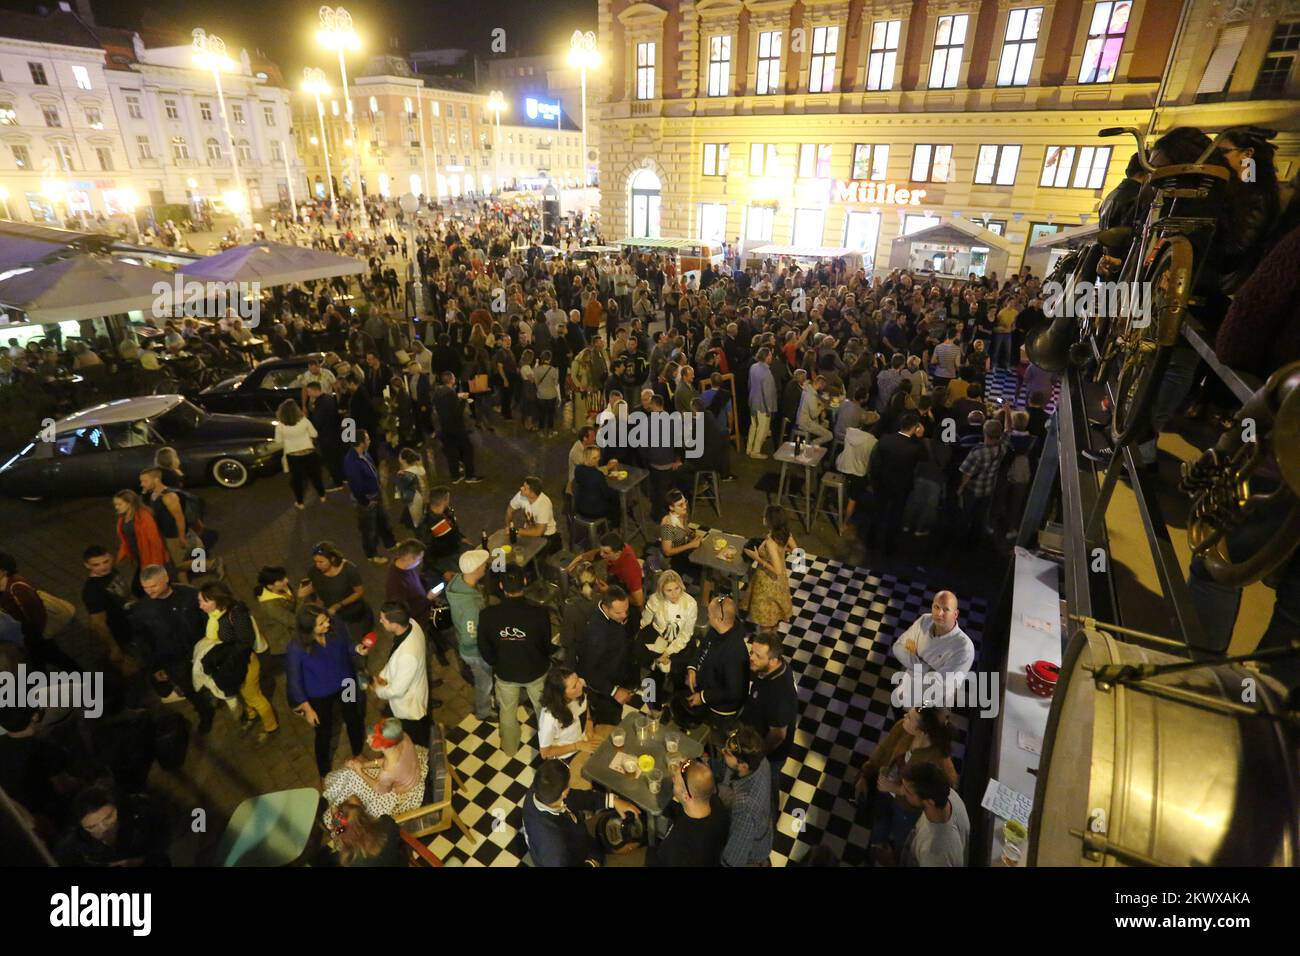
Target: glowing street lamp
[336, 33]
[584, 55]
[313, 81]
[209, 52]
[497, 104]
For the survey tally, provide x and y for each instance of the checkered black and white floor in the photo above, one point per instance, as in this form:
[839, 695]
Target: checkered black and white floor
[838, 644]
[1001, 383]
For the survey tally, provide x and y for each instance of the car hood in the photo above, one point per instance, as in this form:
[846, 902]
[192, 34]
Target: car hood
[217, 428]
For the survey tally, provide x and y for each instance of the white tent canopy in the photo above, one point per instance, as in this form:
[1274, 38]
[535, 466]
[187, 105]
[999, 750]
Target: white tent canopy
[1043, 252]
[271, 264]
[81, 287]
[804, 252]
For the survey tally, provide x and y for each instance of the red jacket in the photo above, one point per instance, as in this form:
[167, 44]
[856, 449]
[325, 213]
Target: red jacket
[148, 541]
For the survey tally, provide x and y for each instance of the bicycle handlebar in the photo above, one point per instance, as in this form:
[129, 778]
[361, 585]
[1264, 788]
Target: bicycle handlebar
[1137, 138]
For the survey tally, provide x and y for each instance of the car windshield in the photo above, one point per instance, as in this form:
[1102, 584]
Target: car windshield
[178, 422]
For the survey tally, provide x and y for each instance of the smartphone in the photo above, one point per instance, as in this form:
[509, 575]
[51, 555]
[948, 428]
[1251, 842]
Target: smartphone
[437, 588]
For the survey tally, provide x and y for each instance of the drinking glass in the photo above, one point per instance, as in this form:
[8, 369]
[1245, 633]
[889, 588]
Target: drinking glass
[671, 740]
[653, 728]
[617, 738]
[655, 780]
[642, 727]
[1011, 854]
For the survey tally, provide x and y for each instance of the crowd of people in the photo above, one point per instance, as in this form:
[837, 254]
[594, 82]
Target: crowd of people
[892, 373]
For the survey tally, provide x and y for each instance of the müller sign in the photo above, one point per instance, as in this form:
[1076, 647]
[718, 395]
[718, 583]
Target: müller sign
[876, 194]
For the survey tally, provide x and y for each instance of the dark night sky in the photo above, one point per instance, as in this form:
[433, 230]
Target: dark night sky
[285, 29]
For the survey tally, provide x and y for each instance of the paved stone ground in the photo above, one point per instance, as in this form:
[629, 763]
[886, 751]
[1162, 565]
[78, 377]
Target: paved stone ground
[259, 526]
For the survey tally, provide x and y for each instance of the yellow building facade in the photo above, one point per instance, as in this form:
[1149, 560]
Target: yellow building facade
[851, 123]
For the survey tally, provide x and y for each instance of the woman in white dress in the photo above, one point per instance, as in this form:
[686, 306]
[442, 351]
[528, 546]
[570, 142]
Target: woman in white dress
[667, 629]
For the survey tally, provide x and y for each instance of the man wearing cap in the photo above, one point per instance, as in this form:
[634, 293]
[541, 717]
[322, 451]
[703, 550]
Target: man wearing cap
[404, 682]
[466, 600]
[514, 638]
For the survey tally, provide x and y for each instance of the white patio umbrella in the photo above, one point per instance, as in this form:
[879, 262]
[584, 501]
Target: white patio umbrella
[271, 264]
[82, 287]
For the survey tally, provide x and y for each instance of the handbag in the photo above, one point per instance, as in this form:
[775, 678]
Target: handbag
[479, 384]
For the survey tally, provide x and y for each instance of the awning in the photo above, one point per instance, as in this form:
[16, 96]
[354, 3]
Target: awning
[958, 231]
[81, 287]
[271, 264]
[663, 243]
[1074, 233]
[805, 252]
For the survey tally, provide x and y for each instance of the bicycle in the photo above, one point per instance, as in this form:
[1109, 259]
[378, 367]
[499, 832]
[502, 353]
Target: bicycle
[1165, 255]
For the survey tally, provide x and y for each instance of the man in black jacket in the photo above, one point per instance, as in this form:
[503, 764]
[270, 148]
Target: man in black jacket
[514, 638]
[323, 413]
[892, 468]
[604, 658]
[554, 825]
[449, 406]
[165, 626]
[718, 679]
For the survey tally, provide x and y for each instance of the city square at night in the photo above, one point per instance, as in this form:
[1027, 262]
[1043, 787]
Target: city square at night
[677, 433]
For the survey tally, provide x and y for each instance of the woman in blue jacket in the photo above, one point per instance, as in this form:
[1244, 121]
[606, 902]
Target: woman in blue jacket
[322, 679]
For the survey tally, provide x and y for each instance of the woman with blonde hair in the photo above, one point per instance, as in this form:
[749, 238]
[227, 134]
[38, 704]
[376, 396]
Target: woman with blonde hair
[585, 591]
[667, 629]
[769, 585]
[360, 839]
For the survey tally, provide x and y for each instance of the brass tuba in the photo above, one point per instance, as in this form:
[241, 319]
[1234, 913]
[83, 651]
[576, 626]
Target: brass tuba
[1053, 345]
[1262, 446]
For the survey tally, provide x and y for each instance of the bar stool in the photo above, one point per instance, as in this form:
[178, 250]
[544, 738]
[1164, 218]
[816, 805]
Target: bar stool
[711, 492]
[589, 528]
[832, 481]
[553, 569]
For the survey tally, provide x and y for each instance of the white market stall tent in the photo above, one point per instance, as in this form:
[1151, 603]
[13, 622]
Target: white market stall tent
[959, 235]
[81, 287]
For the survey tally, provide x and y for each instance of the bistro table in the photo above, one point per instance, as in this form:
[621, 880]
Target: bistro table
[523, 552]
[270, 829]
[709, 557]
[626, 486]
[636, 789]
[809, 461]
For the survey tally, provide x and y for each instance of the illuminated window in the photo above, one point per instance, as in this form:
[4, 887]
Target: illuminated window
[814, 161]
[719, 66]
[949, 38]
[996, 165]
[769, 63]
[22, 156]
[762, 159]
[821, 75]
[870, 161]
[758, 223]
[645, 71]
[1075, 167]
[715, 158]
[931, 164]
[1105, 40]
[82, 77]
[1018, 46]
[884, 54]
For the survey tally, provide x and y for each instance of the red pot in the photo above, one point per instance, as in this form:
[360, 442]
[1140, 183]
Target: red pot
[1042, 676]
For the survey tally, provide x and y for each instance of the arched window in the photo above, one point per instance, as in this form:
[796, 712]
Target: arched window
[245, 151]
[214, 150]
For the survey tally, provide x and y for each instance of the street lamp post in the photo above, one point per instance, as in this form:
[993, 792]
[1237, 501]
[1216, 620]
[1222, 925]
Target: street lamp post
[497, 104]
[336, 33]
[313, 81]
[410, 204]
[584, 55]
[209, 52]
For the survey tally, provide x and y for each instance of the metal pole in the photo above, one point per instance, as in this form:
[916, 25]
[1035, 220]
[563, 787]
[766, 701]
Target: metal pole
[352, 129]
[584, 125]
[496, 151]
[325, 145]
[424, 146]
[288, 178]
[246, 220]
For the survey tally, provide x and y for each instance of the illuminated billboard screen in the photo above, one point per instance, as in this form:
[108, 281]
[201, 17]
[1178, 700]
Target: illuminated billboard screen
[541, 112]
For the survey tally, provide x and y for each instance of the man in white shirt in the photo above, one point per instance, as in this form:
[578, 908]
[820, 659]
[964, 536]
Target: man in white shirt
[404, 681]
[935, 643]
[540, 513]
[941, 836]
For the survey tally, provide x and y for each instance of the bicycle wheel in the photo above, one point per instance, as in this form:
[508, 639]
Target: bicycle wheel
[1144, 341]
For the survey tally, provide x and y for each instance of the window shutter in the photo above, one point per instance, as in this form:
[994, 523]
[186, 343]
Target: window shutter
[1223, 59]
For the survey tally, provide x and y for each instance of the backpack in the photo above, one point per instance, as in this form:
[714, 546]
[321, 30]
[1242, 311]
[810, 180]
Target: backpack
[193, 507]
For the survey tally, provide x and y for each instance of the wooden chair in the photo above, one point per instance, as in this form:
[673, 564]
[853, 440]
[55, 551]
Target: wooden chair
[437, 813]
